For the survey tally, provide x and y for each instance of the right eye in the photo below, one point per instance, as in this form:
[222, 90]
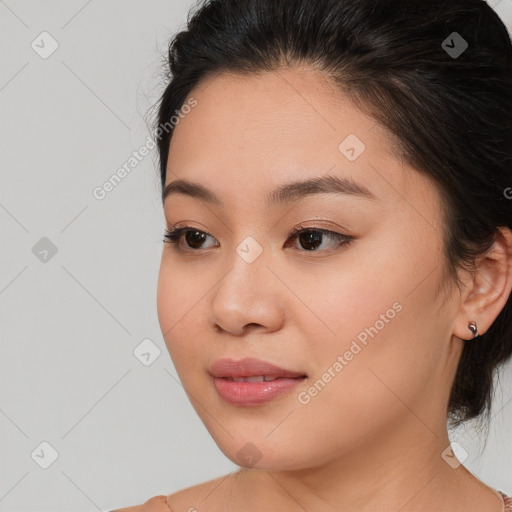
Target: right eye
[194, 238]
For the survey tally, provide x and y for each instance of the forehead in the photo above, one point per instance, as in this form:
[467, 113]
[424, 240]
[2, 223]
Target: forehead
[251, 133]
[289, 110]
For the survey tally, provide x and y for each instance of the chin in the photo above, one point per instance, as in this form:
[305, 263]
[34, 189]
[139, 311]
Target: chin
[259, 452]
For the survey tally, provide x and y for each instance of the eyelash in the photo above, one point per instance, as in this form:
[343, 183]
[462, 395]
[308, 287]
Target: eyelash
[173, 237]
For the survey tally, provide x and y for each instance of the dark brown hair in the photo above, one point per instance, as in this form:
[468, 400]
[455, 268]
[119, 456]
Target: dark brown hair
[447, 108]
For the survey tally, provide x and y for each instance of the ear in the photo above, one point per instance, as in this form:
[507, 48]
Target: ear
[488, 288]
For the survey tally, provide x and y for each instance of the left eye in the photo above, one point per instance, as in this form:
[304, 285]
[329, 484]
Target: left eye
[309, 238]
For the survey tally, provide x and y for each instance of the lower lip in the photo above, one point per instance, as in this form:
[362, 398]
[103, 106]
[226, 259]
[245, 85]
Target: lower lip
[253, 393]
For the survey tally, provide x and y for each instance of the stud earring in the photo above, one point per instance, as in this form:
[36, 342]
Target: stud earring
[472, 327]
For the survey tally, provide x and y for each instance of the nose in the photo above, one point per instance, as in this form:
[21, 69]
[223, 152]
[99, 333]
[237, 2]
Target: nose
[248, 297]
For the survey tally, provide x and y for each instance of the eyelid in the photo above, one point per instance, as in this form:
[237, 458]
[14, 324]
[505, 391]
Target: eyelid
[315, 227]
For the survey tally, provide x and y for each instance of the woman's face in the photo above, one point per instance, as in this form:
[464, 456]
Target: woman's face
[363, 320]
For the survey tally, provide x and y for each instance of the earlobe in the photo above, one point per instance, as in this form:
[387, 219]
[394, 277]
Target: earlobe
[488, 290]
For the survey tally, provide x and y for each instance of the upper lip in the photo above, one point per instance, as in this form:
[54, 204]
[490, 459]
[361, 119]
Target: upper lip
[249, 367]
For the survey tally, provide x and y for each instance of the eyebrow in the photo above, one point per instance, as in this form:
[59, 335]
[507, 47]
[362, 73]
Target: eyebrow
[285, 193]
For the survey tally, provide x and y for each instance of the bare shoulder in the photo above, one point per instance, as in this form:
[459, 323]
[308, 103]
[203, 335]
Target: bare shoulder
[207, 496]
[155, 504]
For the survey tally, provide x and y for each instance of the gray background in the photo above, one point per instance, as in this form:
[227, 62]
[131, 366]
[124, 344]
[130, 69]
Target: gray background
[123, 430]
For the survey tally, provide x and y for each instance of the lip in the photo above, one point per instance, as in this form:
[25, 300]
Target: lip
[252, 393]
[249, 367]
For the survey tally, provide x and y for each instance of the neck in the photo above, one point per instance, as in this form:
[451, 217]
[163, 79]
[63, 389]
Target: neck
[402, 470]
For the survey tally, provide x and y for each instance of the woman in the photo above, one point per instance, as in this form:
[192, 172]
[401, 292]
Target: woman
[335, 291]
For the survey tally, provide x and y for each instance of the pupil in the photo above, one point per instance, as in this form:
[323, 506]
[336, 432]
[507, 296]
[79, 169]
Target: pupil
[190, 240]
[310, 237]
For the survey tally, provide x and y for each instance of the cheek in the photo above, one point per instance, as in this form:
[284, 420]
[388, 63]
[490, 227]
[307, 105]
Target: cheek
[360, 389]
[180, 301]
[378, 332]
[180, 292]
[344, 306]
[381, 287]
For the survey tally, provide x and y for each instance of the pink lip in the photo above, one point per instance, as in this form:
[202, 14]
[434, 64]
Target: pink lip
[248, 367]
[252, 393]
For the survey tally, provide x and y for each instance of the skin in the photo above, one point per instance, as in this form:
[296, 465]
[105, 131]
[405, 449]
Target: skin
[373, 437]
